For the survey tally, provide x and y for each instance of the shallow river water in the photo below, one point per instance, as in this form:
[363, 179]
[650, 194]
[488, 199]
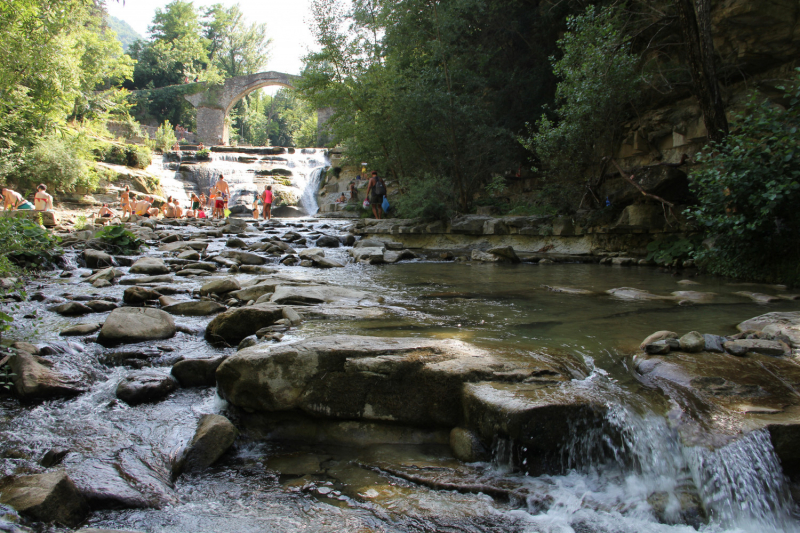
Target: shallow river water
[642, 485]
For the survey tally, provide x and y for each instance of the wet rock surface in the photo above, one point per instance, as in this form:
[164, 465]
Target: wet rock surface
[214, 435]
[129, 325]
[50, 497]
[145, 386]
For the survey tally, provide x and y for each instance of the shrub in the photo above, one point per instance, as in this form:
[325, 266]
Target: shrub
[55, 162]
[138, 156]
[748, 190]
[116, 155]
[429, 197]
[165, 137]
[26, 243]
[204, 154]
[118, 238]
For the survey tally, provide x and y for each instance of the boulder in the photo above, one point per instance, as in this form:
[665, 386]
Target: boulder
[101, 306]
[324, 262]
[692, 342]
[757, 346]
[194, 308]
[536, 419]
[714, 343]
[190, 255]
[657, 336]
[315, 294]
[80, 329]
[34, 381]
[247, 342]
[483, 257]
[758, 297]
[136, 324]
[220, 286]
[391, 256]
[411, 381]
[469, 224]
[146, 280]
[786, 324]
[49, 497]
[752, 384]
[292, 316]
[234, 325]
[506, 252]
[326, 241]
[183, 246]
[310, 252]
[145, 386]
[214, 435]
[151, 266]
[253, 293]
[139, 295]
[244, 258]
[208, 267]
[71, 309]
[235, 243]
[370, 243]
[660, 347]
[694, 296]
[197, 372]
[186, 272]
[364, 253]
[98, 259]
[628, 293]
[107, 274]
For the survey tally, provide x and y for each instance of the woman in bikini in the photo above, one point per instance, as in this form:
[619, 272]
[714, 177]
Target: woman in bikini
[125, 201]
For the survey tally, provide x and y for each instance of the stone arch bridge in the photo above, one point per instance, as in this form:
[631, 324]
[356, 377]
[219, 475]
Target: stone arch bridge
[215, 102]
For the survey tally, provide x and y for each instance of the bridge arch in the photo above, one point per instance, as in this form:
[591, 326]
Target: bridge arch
[214, 102]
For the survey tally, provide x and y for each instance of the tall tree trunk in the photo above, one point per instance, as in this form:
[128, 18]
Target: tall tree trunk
[700, 56]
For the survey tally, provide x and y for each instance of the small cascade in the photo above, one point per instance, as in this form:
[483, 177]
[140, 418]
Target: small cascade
[294, 174]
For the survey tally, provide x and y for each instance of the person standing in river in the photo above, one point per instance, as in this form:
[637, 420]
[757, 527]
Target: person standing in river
[376, 190]
[267, 198]
[222, 192]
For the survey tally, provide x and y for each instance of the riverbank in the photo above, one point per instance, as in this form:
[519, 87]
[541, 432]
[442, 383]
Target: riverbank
[357, 388]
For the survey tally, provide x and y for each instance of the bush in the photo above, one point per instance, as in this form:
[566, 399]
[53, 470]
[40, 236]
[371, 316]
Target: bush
[119, 239]
[138, 156]
[428, 197]
[27, 244]
[165, 137]
[204, 154]
[748, 190]
[54, 162]
[115, 155]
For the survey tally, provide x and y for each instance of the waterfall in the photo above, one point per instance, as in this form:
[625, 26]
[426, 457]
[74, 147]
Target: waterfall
[294, 174]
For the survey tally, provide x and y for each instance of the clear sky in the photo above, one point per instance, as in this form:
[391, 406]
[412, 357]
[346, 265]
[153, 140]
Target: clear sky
[287, 24]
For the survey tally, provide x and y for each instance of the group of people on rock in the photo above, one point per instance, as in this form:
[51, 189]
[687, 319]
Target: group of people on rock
[12, 200]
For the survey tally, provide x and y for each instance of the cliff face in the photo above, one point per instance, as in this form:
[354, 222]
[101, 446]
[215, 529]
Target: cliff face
[758, 47]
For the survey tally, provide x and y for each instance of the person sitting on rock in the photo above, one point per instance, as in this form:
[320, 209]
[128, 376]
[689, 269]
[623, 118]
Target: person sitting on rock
[42, 200]
[142, 207]
[353, 192]
[168, 209]
[178, 209]
[342, 199]
[14, 200]
[106, 212]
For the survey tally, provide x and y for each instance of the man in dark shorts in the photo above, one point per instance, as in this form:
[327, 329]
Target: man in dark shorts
[376, 190]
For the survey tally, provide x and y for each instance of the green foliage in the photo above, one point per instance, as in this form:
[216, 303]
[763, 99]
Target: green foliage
[666, 250]
[6, 375]
[118, 238]
[165, 137]
[428, 197]
[26, 243]
[235, 47]
[57, 61]
[749, 189]
[203, 155]
[495, 186]
[599, 81]
[55, 161]
[436, 88]
[80, 223]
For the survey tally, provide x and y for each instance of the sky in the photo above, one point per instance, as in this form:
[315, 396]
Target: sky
[287, 24]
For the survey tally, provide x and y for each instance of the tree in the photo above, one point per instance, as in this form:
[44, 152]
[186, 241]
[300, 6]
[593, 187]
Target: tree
[599, 81]
[235, 47]
[696, 28]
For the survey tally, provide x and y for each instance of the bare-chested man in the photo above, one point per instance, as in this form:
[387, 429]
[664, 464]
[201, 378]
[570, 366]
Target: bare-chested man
[222, 193]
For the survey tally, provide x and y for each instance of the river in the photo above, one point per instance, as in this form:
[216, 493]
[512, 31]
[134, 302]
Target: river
[644, 476]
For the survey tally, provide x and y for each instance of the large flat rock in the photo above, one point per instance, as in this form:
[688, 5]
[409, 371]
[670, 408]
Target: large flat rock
[787, 324]
[234, 325]
[317, 294]
[417, 382]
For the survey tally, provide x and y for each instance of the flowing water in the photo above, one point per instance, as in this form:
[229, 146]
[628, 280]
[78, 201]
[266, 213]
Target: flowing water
[295, 175]
[635, 472]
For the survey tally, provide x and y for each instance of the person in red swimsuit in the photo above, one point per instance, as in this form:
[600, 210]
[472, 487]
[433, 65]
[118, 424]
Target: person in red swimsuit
[267, 197]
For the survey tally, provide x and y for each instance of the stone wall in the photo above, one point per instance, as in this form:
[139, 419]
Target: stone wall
[632, 231]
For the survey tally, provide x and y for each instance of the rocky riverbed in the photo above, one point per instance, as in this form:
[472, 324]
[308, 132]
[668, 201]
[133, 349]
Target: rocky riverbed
[266, 374]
